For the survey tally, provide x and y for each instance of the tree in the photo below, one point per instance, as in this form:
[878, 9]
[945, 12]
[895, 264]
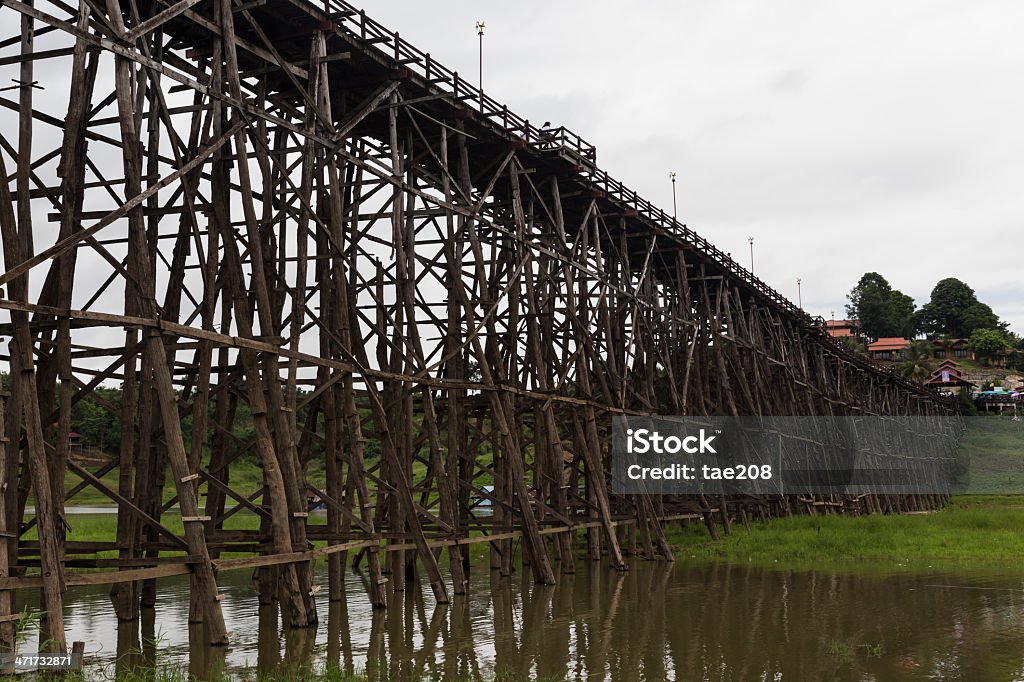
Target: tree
[1015, 358]
[97, 419]
[853, 344]
[988, 344]
[967, 406]
[881, 310]
[955, 311]
[915, 365]
[979, 316]
[900, 315]
[868, 301]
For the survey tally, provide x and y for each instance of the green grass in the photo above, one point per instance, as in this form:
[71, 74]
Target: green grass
[103, 528]
[245, 476]
[972, 531]
[992, 449]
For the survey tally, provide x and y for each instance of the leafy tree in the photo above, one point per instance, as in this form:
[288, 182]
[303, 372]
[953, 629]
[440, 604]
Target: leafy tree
[955, 311]
[854, 344]
[915, 365]
[980, 316]
[92, 418]
[1015, 358]
[967, 406]
[881, 310]
[900, 315]
[988, 344]
[868, 301]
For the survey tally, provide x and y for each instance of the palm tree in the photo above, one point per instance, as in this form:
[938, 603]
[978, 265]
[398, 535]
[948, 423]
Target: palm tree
[915, 365]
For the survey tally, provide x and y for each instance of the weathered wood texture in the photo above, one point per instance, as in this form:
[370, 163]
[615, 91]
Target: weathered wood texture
[290, 237]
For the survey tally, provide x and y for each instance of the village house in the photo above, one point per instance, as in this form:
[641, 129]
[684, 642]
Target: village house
[949, 377]
[841, 329]
[952, 349]
[888, 348]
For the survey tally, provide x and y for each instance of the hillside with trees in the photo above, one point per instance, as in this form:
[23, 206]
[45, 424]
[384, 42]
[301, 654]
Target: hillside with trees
[953, 311]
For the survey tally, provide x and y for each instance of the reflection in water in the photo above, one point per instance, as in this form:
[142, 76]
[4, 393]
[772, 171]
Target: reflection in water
[658, 621]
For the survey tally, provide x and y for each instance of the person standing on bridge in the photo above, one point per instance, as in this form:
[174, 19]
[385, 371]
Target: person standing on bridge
[547, 134]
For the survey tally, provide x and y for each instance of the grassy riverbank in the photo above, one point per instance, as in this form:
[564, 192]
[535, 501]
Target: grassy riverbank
[973, 531]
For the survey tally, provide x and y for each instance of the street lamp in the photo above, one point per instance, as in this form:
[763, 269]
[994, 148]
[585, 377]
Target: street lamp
[480, 32]
[672, 177]
[751, 240]
[799, 295]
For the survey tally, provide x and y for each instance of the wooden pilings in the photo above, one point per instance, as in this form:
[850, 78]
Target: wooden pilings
[286, 243]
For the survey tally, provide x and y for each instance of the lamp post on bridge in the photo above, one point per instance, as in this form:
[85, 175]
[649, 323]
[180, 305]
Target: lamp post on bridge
[799, 294]
[672, 177]
[751, 240]
[480, 32]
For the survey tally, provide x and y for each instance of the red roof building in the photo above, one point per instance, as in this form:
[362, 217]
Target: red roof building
[889, 348]
[959, 349]
[948, 375]
[839, 329]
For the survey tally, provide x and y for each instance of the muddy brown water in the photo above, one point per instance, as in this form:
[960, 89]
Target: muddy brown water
[657, 621]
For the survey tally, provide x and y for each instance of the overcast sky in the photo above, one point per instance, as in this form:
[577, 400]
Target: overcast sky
[844, 137]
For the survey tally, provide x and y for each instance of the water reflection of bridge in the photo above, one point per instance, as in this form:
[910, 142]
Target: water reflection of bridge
[659, 621]
[302, 239]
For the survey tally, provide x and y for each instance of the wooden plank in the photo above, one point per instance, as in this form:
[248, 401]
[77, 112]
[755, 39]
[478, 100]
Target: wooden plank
[40, 54]
[101, 578]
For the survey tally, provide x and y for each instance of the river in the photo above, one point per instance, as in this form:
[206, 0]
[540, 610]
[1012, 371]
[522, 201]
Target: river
[656, 621]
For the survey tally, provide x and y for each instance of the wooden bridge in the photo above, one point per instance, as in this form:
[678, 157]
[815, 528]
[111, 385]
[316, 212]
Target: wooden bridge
[281, 212]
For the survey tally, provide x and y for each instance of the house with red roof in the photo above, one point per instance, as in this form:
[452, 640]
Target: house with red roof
[948, 376]
[952, 349]
[888, 348]
[841, 329]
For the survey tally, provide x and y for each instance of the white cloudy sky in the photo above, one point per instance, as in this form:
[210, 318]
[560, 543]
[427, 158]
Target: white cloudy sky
[843, 136]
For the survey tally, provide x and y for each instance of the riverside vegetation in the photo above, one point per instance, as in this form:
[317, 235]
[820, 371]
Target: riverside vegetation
[972, 531]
